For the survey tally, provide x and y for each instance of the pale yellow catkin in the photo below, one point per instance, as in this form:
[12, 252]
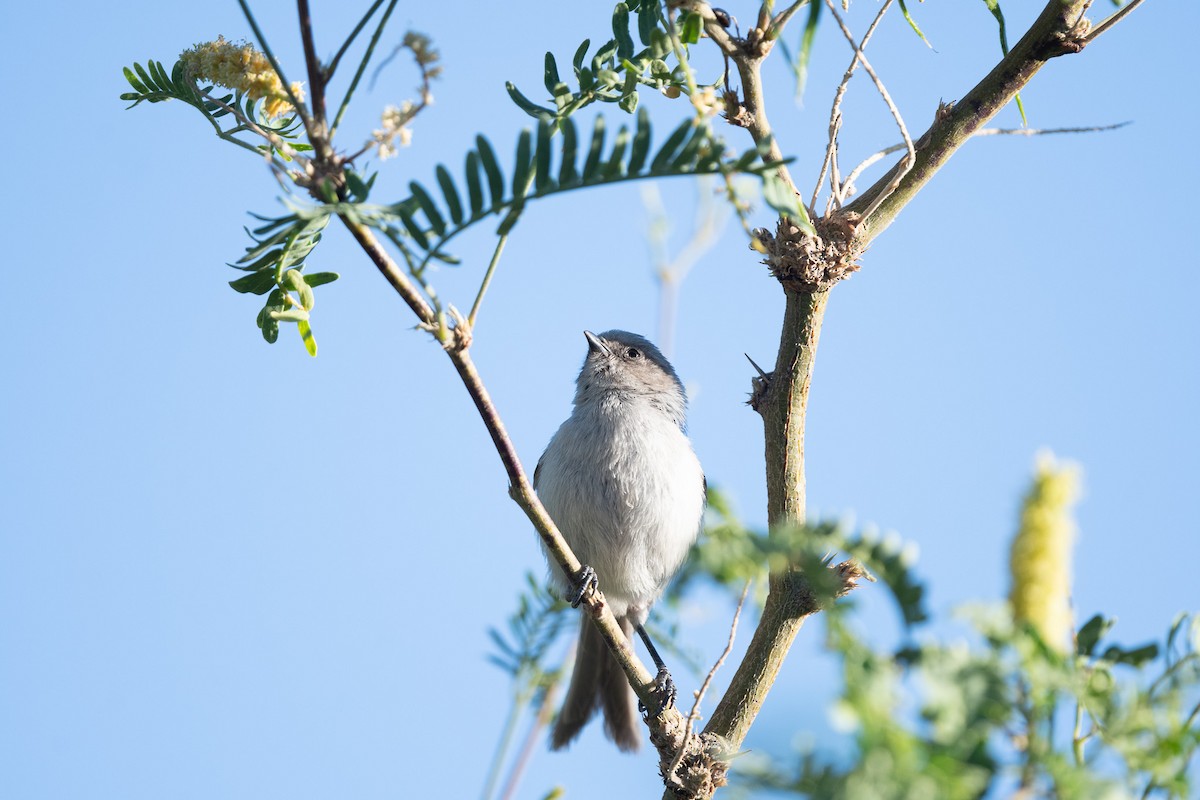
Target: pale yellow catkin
[1040, 560]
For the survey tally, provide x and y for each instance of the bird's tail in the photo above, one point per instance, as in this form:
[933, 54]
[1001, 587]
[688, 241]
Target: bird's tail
[597, 681]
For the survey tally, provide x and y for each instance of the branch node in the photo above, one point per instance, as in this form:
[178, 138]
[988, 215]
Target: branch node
[736, 112]
[805, 263]
[703, 765]
[1067, 42]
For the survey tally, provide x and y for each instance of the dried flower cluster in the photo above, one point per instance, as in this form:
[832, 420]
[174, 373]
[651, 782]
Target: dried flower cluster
[395, 131]
[241, 67]
[1040, 560]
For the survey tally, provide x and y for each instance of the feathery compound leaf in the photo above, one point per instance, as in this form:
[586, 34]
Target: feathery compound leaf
[492, 167]
[567, 174]
[453, 203]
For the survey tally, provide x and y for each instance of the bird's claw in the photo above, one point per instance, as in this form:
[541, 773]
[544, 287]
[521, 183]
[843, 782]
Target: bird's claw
[585, 582]
[664, 691]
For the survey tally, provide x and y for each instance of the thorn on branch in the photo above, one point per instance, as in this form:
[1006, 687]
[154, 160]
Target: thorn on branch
[759, 386]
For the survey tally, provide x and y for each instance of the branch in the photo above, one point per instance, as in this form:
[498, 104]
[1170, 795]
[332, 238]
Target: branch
[1058, 30]
[316, 78]
[667, 725]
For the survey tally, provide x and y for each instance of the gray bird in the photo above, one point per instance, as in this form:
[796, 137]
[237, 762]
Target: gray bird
[625, 488]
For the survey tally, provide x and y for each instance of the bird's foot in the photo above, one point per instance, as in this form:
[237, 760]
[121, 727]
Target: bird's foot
[664, 692]
[585, 582]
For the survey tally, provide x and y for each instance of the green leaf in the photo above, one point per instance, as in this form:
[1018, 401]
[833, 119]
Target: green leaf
[567, 174]
[913, 23]
[615, 166]
[671, 145]
[580, 55]
[520, 182]
[781, 198]
[315, 279]
[620, 27]
[450, 193]
[492, 167]
[510, 219]
[525, 104]
[410, 225]
[436, 222]
[306, 334]
[474, 185]
[1091, 633]
[641, 143]
[595, 151]
[551, 74]
[356, 185]
[134, 82]
[690, 31]
[647, 22]
[541, 171]
[1134, 658]
[259, 282]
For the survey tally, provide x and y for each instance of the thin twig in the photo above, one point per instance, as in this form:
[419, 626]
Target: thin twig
[835, 114]
[1116, 17]
[362, 23]
[887, 151]
[887, 99]
[781, 19]
[694, 714]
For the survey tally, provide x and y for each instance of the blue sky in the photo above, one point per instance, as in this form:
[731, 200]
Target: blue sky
[230, 570]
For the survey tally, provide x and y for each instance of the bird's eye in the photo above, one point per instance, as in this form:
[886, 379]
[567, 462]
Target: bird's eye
[633, 352]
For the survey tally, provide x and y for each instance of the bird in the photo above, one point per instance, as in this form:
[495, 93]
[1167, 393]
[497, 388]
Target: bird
[624, 486]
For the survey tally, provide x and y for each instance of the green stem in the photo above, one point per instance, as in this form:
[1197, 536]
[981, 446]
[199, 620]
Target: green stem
[362, 67]
[487, 280]
[362, 23]
[502, 746]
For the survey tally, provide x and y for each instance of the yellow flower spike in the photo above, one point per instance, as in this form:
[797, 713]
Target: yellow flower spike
[240, 67]
[1040, 560]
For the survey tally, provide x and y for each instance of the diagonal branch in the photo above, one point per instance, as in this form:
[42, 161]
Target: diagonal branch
[455, 343]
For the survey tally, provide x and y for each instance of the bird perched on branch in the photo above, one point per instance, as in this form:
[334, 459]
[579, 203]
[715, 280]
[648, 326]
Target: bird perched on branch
[622, 483]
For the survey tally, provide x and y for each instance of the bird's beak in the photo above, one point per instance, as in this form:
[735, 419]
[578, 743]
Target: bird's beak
[595, 343]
